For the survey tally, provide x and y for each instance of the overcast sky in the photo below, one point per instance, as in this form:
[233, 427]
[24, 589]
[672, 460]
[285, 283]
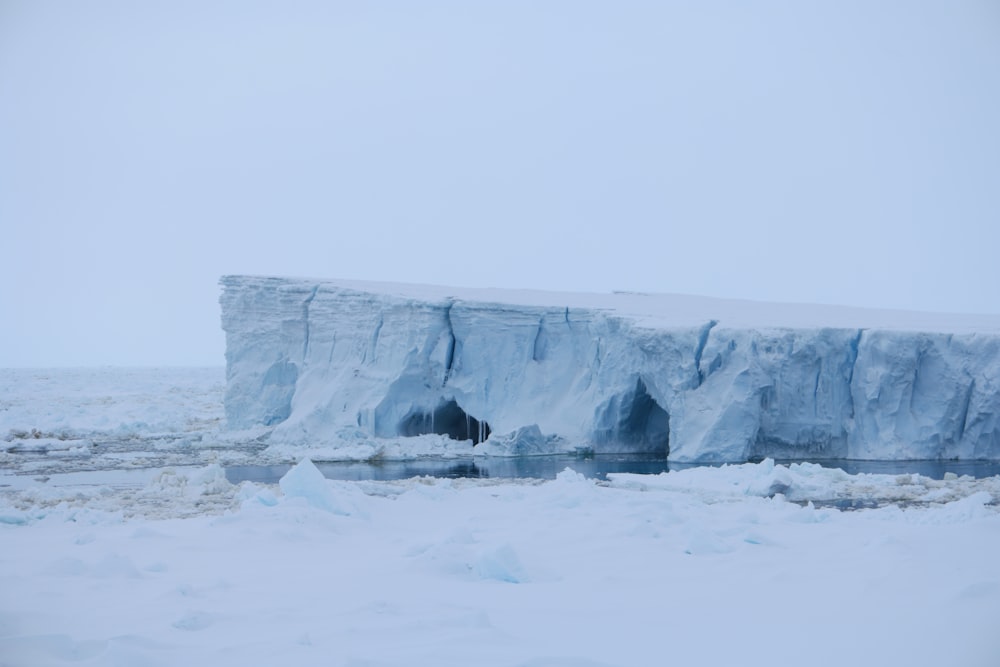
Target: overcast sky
[831, 152]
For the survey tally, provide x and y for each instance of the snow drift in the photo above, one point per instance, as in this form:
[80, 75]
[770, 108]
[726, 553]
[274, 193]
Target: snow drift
[336, 362]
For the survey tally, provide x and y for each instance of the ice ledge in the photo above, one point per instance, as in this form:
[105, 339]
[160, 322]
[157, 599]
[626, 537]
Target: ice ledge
[660, 310]
[327, 363]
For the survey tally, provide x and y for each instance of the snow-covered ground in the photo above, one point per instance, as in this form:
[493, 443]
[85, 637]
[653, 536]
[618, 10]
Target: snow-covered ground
[166, 562]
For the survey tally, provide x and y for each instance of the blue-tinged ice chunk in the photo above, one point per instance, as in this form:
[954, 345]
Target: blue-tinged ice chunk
[501, 564]
[307, 482]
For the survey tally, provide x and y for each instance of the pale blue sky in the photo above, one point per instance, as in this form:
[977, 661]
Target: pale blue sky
[831, 152]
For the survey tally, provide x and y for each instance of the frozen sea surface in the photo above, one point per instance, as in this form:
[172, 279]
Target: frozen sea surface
[151, 555]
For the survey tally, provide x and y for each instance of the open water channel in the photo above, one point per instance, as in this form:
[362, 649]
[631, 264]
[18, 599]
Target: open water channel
[596, 466]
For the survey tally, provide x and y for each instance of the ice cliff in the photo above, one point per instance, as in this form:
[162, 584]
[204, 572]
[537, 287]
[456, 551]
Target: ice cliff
[332, 362]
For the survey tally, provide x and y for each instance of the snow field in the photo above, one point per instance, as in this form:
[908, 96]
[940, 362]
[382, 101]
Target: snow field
[439, 572]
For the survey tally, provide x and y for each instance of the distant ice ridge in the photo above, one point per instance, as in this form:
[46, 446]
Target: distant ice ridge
[364, 367]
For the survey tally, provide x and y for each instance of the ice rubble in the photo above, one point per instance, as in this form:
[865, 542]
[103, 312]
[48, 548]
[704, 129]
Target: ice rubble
[316, 572]
[187, 491]
[351, 367]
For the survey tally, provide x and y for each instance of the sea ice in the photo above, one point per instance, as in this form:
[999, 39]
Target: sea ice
[698, 567]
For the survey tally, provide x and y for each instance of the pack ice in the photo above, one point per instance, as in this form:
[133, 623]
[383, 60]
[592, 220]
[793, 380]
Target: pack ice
[335, 363]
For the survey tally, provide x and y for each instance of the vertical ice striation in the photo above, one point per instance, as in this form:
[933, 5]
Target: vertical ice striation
[700, 379]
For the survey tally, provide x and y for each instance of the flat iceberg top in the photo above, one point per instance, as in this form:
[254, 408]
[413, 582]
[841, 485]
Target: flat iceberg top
[660, 310]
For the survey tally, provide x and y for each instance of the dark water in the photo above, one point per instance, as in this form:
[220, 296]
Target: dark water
[597, 466]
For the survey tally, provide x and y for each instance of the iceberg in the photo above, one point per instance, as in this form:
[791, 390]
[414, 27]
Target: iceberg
[504, 372]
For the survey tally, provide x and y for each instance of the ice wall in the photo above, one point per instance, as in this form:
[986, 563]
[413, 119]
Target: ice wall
[331, 361]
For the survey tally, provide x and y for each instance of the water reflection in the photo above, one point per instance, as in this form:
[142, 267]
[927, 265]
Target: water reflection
[596, 466]
[932, 469]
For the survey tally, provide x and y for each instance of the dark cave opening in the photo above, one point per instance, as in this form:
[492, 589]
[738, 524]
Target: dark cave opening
[448, 419]
[636, 420]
